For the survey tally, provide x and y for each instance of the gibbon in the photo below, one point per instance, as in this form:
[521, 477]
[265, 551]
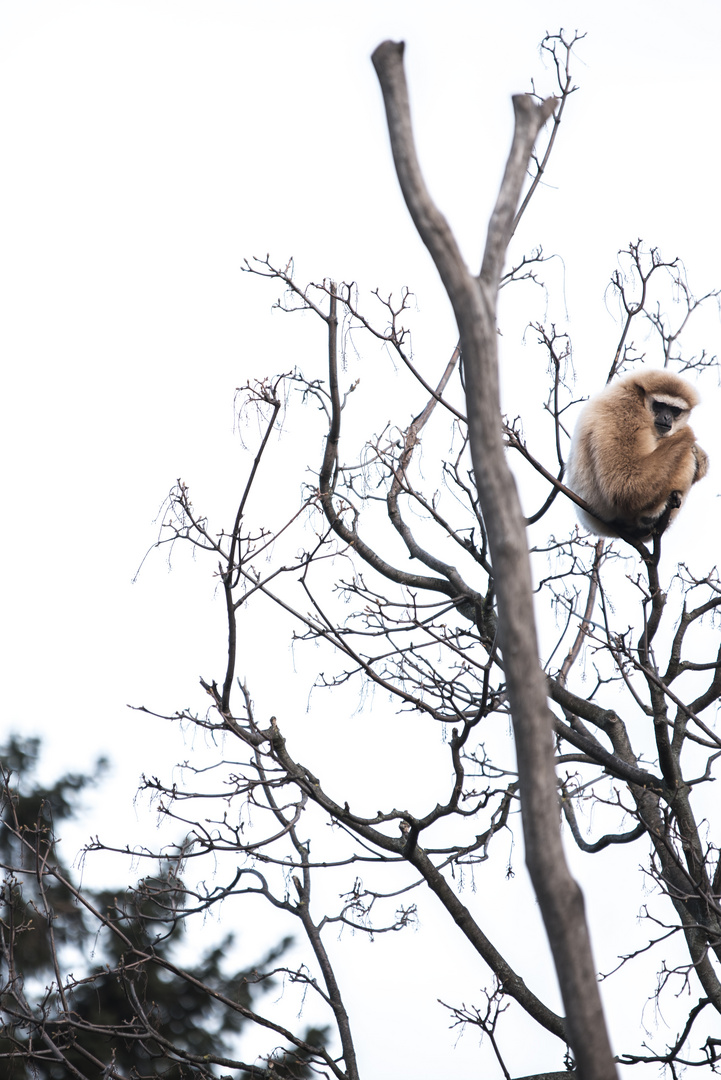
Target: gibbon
[633, 457]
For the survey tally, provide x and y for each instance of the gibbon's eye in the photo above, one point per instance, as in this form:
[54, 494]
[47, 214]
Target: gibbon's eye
[661, 407]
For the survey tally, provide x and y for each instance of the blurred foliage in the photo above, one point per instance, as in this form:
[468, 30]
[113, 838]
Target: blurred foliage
[99, 1021]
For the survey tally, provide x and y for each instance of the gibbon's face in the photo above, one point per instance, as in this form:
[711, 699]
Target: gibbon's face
[668, 414]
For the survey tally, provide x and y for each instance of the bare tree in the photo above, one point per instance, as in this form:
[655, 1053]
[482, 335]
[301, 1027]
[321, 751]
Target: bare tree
[474, 303]
[406, 561]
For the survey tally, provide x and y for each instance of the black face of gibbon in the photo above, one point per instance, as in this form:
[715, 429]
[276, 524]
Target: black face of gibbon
[664, 416]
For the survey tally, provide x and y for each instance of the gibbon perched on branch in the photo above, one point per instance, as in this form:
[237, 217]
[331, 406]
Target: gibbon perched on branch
[633, 457]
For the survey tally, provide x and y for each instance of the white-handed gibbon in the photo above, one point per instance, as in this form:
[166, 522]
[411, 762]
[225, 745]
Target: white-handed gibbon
[633, 457]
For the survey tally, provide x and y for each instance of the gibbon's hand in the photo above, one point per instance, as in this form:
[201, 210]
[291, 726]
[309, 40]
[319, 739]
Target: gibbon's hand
[701, 463]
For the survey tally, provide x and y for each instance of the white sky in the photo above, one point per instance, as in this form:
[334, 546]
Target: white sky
[147, 148]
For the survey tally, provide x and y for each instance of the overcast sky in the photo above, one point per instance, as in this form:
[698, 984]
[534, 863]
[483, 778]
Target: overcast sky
[147, 148]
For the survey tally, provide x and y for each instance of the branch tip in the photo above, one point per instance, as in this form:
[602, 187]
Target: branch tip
[525, 106]
[387, 50]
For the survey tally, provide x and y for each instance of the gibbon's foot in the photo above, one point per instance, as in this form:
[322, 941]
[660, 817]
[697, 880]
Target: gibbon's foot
[643, 531]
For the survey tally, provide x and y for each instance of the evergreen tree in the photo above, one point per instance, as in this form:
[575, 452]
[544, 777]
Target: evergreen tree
[126, 1011]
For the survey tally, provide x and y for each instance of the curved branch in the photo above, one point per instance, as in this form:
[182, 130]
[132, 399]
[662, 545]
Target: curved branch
[452, 585]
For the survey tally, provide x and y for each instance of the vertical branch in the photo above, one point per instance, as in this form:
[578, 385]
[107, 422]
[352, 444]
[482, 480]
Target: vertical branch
[474, 303]
[228, 576]
[550, 44]
[330, 457]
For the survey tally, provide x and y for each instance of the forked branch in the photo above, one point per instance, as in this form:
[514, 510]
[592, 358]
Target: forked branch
[474, 302]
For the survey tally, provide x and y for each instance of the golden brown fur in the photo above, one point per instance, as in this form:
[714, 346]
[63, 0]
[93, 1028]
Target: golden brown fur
[633, 456]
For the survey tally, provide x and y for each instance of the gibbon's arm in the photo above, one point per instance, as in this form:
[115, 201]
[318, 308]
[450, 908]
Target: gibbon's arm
[634, 481]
